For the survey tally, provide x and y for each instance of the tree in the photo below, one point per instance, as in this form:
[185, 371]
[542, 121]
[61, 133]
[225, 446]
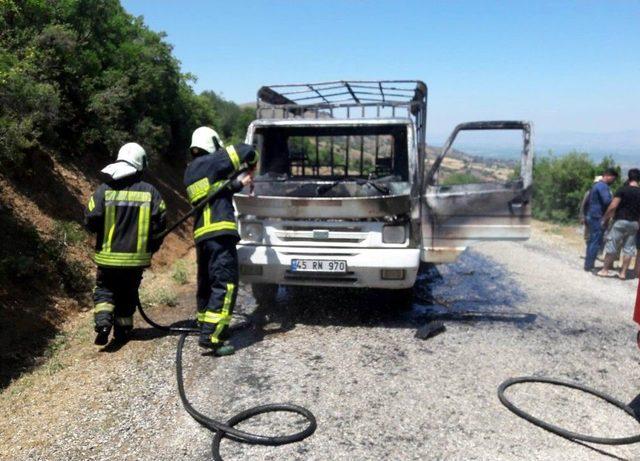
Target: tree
[81, 77]
[230, 120]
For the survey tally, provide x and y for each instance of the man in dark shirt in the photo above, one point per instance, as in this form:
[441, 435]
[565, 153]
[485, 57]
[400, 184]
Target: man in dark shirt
[625, 210]
[599, 200]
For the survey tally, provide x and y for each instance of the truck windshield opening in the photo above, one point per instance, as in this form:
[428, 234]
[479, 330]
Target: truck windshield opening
[334, 152]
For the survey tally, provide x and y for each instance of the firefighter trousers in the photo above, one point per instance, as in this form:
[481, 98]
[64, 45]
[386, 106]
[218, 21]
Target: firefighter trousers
[217, 286]
[115, 296]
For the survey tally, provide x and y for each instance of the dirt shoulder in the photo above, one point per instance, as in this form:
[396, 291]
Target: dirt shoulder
[567, 237]
[79, 383]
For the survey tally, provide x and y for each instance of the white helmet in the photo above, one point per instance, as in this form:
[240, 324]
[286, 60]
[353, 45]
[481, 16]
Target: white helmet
[131, 159]
[206, 139]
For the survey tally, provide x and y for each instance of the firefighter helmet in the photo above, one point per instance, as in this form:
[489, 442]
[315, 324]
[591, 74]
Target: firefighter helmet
[131, 159]
[207, 139]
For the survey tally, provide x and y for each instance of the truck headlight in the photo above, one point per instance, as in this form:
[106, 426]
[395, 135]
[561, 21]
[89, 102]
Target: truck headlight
[394, 234]
[251, 231]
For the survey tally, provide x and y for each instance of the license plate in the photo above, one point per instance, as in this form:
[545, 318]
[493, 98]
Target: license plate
[318, 265]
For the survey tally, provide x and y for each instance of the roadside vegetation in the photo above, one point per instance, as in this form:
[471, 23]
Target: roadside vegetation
[560, 183]
[162, 288]
[180, 272]
[462, 177]
[81, 77]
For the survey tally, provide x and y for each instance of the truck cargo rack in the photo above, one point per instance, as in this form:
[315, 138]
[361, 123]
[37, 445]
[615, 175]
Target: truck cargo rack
[352, 99]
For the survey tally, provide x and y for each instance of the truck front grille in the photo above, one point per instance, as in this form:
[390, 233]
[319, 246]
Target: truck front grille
[331, 235]
[347, 278]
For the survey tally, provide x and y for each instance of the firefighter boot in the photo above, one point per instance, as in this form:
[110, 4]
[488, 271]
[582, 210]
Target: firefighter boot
[102, 336]
[219, 349]
[224, 349]
[121, 334]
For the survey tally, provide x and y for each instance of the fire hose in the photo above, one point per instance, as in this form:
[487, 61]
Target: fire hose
[580, 387]
[557, 429]
[227, 428]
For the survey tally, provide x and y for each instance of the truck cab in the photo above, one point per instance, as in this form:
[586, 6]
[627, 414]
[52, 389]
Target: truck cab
[345, 195]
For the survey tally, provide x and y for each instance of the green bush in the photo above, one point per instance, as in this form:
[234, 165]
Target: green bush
[560, 183]
[69, 232]
[229, 119]
[74, 276]
[28, 110]
[459, 178]
[180, 274]
[158, 297]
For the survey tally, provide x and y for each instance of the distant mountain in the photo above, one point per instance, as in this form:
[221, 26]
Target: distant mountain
[623, 146]
[622, 141]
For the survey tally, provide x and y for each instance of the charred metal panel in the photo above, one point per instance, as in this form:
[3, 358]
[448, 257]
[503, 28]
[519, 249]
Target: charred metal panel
[278, 199]
[323, 208]
[329, 189]
[454, 217]
[464, 232]
[342, 99]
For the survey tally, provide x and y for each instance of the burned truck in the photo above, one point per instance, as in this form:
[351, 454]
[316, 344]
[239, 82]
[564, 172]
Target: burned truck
[345, 195]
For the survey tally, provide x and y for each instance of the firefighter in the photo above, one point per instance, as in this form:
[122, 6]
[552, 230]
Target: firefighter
[126, 214]
[216, 232]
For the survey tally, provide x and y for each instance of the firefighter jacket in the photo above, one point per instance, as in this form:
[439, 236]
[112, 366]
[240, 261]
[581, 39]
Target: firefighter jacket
[205, 175]
[127, 215]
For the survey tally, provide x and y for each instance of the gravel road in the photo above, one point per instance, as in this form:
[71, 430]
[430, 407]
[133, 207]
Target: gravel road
[378, 392]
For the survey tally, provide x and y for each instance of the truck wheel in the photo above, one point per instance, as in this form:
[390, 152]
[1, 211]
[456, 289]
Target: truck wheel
[264, 293]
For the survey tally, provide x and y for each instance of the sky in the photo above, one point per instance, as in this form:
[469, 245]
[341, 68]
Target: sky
[568, 66]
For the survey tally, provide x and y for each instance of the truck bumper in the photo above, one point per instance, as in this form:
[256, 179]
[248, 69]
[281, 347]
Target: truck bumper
[366, 268]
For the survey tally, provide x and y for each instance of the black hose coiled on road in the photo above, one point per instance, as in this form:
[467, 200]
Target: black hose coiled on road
[227, 429]
[559, 430]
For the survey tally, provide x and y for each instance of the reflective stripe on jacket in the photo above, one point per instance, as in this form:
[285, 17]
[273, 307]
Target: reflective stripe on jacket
[206, 174]
[126, 216]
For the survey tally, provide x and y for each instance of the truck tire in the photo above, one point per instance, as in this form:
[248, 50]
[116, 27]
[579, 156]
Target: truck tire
[264, 293]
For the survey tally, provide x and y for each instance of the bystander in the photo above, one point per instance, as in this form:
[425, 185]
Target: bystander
[599, 200]
[625, 211]
[584, 209]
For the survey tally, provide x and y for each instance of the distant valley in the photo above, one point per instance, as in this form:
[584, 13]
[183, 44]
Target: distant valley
[623, 146]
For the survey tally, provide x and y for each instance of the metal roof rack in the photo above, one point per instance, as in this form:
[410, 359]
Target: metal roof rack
[347, 99]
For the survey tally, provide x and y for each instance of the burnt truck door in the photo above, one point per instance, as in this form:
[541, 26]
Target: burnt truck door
[454, 216]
